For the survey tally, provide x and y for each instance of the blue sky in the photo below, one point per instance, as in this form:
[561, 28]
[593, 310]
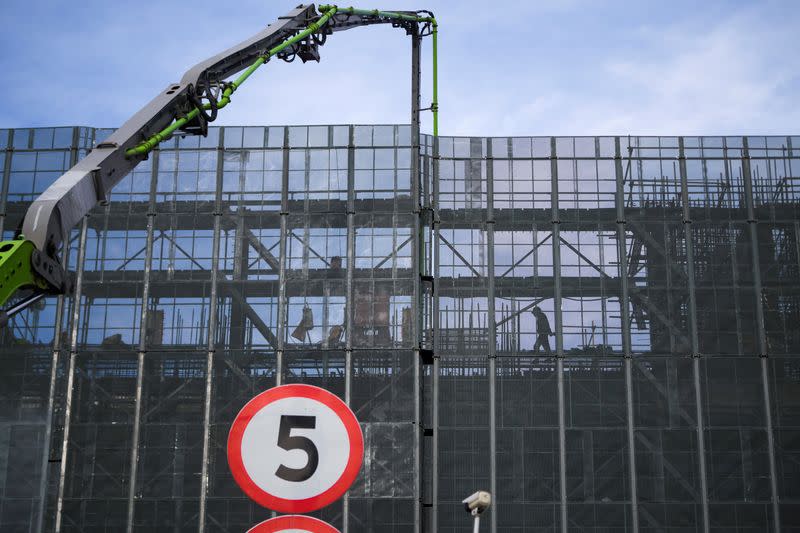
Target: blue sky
[550, 67]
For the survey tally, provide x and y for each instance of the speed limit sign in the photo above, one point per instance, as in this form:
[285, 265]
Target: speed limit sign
[293, 524]
[295, 448]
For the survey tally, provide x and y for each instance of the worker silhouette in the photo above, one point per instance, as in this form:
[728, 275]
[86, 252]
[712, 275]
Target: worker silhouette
[543, 331]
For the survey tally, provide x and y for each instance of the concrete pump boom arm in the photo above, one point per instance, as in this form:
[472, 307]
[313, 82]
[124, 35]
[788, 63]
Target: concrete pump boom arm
[31, 261]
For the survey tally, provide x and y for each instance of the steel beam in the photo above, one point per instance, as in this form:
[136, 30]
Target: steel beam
[763, 348]
[622, 263]
[461, 257]
[436, 222]
[259, 247]
[140, 358]
[417, 268]
[73, 355]
[380, 210]
[694, 334]
[349, 295]
[9, 152]
[492, 340]
[797, 241]
[212, 343]
[237, 333]
[240, 301]
[283, 250]
[557, 314]
[48, 424]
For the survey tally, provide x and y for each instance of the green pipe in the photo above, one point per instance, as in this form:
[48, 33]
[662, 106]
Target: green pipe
[435, 103]
[374, 13]
[403, 16]
[153, 141]
[328, 12]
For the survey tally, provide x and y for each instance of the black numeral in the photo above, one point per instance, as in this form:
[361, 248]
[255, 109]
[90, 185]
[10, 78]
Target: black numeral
[288, 443]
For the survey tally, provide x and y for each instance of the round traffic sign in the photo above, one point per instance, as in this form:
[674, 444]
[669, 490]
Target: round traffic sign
[293, 524]
[295, 448]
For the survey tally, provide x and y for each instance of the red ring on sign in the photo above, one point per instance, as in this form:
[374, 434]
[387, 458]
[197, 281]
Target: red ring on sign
[282, 523]
[282, 505]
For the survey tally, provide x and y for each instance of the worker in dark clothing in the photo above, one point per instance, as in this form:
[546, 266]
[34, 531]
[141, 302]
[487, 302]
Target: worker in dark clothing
[543, 331]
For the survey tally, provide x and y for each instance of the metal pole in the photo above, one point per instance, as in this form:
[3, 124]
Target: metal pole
[556, 244]
[797, 240]
[73, 353]
[137, 415]
[237, 331]
[212, 330]
[693, 332]
[349, 295]
[752, 223]
[622, 261]
[416, 43]
[59, 316]
[476, 526]
[50, 406]
[436, 343]
[284, 236]
[492, 337]
[7, 174]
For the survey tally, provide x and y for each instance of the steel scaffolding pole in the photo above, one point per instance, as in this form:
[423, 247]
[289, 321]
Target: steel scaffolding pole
[48, 430]
[693, 332]
[492, 339]
[212, 341]
[143, 319]
[237, 335]
[763, 348]
[417, 269]
[797, 240]
[556, 246]
[283, 248]
[59, 317]
[7, 174]
[436, 342]
[622, 265]
[73, 354]
[349, 295]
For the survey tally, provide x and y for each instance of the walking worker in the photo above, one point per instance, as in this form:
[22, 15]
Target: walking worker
[543, 331]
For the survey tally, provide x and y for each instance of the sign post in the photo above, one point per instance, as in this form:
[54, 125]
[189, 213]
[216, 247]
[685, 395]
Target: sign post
[295, 449]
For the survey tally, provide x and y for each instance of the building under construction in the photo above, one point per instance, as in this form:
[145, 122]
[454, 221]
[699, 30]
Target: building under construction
[668, 398]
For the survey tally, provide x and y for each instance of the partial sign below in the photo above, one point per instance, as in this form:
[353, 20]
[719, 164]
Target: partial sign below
[293, 524]
[295, 448]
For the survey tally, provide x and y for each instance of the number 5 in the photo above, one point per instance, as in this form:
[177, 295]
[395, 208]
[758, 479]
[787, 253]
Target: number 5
[288, 443]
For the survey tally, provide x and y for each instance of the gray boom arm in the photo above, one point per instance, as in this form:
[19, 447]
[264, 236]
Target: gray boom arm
[62, 205]
[32, 260]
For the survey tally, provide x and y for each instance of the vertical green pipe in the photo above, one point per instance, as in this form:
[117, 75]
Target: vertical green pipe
[435, 103]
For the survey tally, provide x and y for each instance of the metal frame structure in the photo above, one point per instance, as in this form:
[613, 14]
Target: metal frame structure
[679, 415]
[670, 268]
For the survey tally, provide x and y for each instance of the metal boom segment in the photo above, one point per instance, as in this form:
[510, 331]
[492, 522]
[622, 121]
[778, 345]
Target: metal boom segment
[186, 107]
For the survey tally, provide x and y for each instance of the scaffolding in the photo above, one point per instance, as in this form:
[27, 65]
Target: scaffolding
[332, 255]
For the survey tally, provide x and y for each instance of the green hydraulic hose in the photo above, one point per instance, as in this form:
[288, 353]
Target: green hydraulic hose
[435, 103]
[328, 12]
[374, 13]
[403, 16]
[153, 141]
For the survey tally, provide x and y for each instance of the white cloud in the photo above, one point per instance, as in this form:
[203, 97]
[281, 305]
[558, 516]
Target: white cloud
[733, 76]
[547, 68]
[726, 79]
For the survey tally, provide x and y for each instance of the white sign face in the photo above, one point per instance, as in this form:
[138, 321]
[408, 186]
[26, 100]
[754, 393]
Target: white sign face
[295, 448]
[293, 524]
